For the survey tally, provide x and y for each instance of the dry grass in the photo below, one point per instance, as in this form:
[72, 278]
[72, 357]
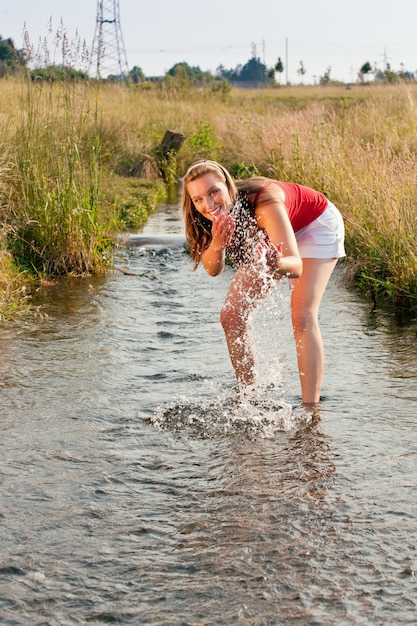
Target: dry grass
[358, 146]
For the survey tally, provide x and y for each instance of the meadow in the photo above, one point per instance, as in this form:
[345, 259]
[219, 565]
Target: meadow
[79, 163]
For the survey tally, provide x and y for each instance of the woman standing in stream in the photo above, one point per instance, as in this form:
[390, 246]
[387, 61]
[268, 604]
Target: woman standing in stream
[269, 229]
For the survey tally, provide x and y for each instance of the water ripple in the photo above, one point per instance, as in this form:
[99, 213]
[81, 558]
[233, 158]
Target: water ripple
[137, 487]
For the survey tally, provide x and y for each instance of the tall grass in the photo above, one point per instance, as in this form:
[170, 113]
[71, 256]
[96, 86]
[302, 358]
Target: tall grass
[56, 230]
[64, 199]
[357, 146]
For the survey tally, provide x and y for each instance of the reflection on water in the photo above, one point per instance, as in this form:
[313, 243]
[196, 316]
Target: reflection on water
[137, 488]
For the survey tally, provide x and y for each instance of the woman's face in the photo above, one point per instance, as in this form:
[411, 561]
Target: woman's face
[210, 195]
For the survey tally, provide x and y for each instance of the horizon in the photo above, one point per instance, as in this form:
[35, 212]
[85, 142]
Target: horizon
[322, 35]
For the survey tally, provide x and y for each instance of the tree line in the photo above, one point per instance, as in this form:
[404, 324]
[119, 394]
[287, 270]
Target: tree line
[252, 73]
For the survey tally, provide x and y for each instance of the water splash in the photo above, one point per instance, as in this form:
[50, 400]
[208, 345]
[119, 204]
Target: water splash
[231, 414]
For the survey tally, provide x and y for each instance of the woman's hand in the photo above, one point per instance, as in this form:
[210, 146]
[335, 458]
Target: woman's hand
[222, 229]
[270, 254]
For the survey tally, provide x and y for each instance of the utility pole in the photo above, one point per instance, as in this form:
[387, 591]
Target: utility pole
[286, 60]
[108, 53]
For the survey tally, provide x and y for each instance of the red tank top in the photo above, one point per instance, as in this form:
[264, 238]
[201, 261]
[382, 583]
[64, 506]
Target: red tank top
[303, 204]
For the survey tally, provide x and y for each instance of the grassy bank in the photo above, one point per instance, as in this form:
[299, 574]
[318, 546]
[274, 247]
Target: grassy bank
[73, 157]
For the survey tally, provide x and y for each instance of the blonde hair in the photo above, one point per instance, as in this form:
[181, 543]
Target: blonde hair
[198, 227]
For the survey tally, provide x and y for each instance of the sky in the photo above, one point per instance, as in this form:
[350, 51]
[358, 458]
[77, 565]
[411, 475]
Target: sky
[319, 34]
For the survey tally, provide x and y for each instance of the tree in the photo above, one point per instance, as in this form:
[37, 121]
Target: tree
[390, 75]
[301, 71]
[271, 75]
[136, 75]
[7, 50]
[11, 59]
[325, 79]
[253, 72]
[186, 73]
[279, 66]
[229, 75]
[365, 69]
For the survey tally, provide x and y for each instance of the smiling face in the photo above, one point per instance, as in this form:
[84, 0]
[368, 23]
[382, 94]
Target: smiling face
[210, 195]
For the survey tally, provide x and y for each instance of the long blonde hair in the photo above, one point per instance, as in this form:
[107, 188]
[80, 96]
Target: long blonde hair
[198, 227]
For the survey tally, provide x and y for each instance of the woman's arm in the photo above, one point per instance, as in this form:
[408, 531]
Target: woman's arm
[272, 217]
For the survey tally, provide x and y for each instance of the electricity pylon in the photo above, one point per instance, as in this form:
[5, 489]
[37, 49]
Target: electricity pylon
[108, 53]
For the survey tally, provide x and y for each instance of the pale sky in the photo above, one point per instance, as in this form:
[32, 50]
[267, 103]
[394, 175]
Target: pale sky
[339, 34]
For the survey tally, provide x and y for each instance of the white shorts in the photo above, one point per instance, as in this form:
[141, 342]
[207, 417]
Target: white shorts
[324, 238]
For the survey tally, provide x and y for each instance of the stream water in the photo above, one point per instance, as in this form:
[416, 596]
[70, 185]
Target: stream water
[136, 488]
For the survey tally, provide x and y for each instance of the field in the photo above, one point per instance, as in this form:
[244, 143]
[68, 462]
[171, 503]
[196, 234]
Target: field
[79, 163]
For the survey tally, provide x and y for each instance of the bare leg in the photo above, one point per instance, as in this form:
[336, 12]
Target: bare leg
[247, 289]
[305, 302]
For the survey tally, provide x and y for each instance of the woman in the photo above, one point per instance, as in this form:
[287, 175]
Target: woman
[269, 229]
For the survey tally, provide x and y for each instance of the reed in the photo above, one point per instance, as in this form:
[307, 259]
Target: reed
[14, 296]
[56, 230]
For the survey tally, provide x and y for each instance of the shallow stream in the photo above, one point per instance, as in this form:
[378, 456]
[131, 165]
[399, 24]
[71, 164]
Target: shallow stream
[138, 489]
